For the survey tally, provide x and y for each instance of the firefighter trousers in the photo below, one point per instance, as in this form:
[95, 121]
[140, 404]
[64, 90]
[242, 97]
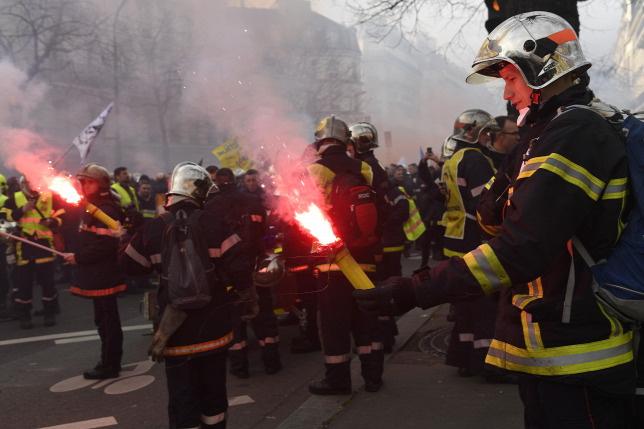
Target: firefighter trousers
[265, 327]
[108, 322]
[197, 392]
[340, 318]
[44, 275]
[549, 404]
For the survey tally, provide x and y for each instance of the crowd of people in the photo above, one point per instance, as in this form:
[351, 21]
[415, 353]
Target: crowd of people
[496, 216]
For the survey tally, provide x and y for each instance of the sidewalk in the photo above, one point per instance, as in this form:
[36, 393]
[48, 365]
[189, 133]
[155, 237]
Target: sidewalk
[419, 389]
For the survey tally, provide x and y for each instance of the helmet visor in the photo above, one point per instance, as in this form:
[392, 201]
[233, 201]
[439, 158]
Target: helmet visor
[502, 44]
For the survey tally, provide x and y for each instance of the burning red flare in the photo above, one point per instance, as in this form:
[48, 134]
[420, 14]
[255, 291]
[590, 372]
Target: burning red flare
[64, 187]
[317, 224]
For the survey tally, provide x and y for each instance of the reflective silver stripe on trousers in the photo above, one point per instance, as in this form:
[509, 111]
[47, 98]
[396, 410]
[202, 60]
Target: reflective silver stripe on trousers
[213, 420]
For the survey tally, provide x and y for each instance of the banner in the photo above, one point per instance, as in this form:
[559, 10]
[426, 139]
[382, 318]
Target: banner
[85, 139]
[231, 156]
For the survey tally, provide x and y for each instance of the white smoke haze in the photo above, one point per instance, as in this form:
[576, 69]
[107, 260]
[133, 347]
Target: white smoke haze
[226, 80]
[230, 86]
[23, 151]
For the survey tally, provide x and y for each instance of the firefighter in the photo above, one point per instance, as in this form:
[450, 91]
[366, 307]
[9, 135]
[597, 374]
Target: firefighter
[465, 174]
[37, 214]
[364, 140]
[193, 342]
[246, 216]
[99, 276]
[570, 179]
[339, 314]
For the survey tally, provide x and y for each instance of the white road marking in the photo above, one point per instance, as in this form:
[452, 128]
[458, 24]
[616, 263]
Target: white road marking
[239, 400]
[67, 335]
[87, 424]
[78, 339]
[129, 384]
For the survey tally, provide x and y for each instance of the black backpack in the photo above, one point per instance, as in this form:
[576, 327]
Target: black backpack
[186, 266]
[353, 209]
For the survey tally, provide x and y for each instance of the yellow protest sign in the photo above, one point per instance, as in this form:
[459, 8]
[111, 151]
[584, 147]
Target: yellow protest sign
[231, 156]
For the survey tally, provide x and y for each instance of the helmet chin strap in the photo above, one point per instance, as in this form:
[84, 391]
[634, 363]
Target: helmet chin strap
[535, 100]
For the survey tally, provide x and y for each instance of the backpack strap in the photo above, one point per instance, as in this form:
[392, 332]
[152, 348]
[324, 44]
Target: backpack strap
[570, 286]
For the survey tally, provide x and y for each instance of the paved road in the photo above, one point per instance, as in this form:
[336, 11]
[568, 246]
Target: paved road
[41, 384]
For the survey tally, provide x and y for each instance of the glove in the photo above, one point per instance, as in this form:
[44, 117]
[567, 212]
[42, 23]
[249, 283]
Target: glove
[28, 206]
[393, 297]
[248, 299]
[132, 221]
[170, 322]
[49, 223]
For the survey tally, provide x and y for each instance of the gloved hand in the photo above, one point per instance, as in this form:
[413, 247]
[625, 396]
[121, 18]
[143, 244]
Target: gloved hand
[29, 205]
[393, 297]
[50, 223]
[170, 322]
[248, 299]
[132, 221]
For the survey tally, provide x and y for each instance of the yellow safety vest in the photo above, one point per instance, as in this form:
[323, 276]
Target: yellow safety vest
[455, 214]
[29, 222]
[125, 197]
[413, 226]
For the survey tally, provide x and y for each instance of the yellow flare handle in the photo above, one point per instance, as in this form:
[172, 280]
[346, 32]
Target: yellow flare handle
[352, 270]
[100, 215]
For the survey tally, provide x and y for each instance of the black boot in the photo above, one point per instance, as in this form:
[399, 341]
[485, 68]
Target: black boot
[336, 382]
[372, 367]
[304, 345]
[25, 321]
[50, 318]
[239, 362]
[41, 312]
[271, 358]
[101, 372]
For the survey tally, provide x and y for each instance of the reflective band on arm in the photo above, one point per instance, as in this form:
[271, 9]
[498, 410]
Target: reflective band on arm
[616, 189]
[574, 174]
[136, 256]
[487, 269]
[530, 166]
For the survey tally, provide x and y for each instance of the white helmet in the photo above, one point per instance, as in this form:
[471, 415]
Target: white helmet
[332, 128]
[469, 125]
[541, 45]
[191, 180]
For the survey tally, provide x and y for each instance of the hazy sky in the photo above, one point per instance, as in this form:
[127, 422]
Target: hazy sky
[600, 21]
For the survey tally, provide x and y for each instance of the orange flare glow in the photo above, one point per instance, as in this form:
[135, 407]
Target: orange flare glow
[64, 187]
[317, 224]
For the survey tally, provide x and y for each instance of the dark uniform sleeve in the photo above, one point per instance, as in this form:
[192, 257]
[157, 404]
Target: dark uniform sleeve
[476, 176]
[142, 253]
[230, 259]
[400, 206]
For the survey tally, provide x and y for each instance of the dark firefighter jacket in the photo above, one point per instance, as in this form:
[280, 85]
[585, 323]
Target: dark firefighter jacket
[431, 193]
[393, 238]
[48, 205]
[380, 183]
[97, 257]
[334, 161]
[465, 175]
[257, 222]
[206, 330]
[571, 181]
